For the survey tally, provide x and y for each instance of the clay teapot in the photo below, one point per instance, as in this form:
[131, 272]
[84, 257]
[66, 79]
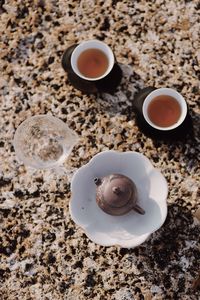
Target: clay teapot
[116, 194]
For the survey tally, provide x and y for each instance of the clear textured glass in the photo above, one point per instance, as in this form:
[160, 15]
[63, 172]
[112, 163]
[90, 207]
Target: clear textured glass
[44, 141]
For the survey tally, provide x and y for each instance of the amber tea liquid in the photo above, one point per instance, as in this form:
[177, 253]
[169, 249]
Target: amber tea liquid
[92, 63]
[164, 111]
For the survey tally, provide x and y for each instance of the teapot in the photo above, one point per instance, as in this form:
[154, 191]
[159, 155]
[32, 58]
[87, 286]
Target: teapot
[116, 194]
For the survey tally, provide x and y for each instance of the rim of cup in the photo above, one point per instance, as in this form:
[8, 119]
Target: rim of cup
[169, 92]
[92, 44]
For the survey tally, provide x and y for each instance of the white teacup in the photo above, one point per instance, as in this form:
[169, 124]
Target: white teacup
[92, 44]
[165, 92]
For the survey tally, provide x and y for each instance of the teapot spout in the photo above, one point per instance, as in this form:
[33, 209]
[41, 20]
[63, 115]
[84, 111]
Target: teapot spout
[138, 209]
[97, 181]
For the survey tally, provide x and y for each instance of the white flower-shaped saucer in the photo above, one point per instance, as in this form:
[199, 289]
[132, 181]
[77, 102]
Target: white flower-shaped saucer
[129, 230]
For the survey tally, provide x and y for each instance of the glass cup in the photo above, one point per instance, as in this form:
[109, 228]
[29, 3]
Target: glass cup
[89, 45]
[43, 141]
[168, 110]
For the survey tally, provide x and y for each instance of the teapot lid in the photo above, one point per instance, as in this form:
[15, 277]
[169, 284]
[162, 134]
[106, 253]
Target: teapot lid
[116, 190]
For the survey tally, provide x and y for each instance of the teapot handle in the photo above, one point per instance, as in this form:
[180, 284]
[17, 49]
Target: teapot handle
[138, 209]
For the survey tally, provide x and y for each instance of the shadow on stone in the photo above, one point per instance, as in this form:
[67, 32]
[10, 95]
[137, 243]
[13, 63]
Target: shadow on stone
[170, 258]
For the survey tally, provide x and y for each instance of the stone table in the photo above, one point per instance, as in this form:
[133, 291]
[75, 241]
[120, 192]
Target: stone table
[43, 254]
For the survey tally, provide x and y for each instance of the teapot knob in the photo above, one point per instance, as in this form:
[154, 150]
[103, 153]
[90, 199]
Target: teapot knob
[116, 190]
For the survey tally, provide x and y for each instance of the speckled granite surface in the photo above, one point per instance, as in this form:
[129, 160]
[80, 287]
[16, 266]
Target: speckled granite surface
[43, 254]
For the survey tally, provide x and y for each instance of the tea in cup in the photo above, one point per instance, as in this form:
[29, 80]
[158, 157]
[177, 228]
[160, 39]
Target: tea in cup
[164, 109]
[92, 60]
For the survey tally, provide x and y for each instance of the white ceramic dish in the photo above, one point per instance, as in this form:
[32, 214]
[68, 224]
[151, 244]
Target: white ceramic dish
[129, 230]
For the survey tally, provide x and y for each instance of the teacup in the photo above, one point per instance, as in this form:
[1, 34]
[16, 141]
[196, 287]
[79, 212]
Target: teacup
[164, 109]
[92, 60]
